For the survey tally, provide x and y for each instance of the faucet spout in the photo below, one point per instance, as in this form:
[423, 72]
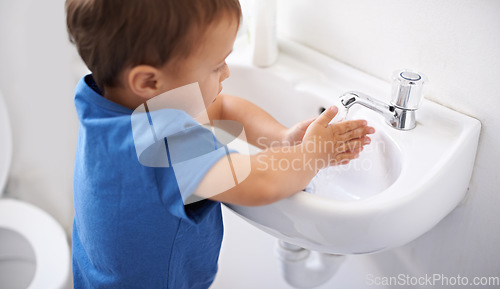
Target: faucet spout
[395, 116]
[354, 97]
[406, 99]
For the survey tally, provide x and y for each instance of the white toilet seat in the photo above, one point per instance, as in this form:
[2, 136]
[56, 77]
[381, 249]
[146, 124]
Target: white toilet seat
[45, 236]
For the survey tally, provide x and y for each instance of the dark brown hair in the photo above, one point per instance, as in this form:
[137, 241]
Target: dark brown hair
[112, 35]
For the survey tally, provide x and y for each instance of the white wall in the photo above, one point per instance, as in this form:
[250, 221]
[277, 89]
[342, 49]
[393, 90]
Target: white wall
[37, 82]
[457, 45]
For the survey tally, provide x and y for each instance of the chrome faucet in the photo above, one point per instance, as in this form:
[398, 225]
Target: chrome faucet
[406, 99]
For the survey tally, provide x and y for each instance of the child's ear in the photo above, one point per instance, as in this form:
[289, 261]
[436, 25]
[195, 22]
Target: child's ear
[143, 80]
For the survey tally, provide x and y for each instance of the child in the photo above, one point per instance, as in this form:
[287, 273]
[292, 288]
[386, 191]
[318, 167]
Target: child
[131, 227]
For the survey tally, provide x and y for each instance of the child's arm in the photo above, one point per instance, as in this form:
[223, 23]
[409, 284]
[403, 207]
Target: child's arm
[261, 129]
[323, 145]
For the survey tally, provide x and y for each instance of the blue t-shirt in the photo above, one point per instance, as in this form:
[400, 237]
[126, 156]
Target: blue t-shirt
[131, 228]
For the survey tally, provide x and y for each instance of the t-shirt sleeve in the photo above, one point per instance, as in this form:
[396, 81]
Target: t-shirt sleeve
[189, 151]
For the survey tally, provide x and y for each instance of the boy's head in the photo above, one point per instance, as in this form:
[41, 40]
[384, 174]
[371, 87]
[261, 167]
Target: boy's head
[136, 44]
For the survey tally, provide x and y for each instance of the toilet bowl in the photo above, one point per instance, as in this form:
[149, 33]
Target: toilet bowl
[34, 252]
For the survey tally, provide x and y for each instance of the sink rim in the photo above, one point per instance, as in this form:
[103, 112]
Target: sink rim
[389, 194]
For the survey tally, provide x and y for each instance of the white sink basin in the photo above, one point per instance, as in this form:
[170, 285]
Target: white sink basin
[403, 184]
[377, 168]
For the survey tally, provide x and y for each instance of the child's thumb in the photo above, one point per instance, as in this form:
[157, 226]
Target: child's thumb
[327, 116]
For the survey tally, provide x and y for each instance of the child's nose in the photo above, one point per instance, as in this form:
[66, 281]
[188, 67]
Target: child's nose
[226, 73]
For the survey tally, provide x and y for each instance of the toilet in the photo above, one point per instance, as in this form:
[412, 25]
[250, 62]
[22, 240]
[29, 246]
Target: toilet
[34, 252]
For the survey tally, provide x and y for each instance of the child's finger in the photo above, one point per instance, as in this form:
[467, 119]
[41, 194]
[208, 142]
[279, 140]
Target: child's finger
[346, 157]
[346, 126]
[357, 133]
[308, 122]
[353, 145]
[345, 162]
[327, 116]
[303, 125]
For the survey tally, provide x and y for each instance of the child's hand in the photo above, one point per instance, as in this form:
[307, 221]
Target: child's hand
[295, 134]
[336, 143]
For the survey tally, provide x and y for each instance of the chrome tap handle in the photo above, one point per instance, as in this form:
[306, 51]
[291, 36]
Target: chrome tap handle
[407, 89]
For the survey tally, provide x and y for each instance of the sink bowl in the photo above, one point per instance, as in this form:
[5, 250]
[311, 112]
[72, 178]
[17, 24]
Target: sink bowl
[402, 185]
[377, 168]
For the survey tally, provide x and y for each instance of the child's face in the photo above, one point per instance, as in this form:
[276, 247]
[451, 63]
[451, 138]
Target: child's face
[207, 65]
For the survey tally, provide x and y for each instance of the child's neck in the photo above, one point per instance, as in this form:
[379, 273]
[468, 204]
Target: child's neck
[123, 97]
